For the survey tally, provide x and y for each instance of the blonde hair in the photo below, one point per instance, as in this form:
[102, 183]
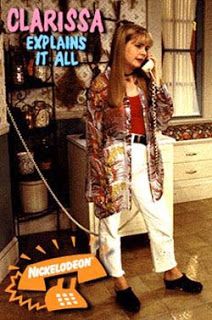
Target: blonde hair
[123, 34]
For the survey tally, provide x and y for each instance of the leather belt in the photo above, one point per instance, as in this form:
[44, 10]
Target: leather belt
[139, 138]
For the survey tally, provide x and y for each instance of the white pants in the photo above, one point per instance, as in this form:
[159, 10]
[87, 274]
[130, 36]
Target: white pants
[156, 216]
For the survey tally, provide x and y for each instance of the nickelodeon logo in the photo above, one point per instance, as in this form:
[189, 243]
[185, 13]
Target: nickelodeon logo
[54, 269]
[87, 267]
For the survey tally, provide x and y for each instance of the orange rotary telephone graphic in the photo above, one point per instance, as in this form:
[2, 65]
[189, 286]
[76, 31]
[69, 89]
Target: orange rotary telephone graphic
[87, 267]
[58, 298]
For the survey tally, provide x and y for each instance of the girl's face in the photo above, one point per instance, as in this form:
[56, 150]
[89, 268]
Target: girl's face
[135, 53]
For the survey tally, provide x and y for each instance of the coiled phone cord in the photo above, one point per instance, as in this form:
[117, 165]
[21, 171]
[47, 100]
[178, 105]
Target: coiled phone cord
[52, 192]
[43, 178]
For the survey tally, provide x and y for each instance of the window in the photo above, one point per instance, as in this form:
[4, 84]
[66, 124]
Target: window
[182, 35]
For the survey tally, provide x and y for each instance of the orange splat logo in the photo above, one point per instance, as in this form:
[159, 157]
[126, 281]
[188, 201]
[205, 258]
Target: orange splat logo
[86, 266]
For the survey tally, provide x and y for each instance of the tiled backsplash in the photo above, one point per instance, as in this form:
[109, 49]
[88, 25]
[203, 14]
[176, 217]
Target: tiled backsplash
[190, 131]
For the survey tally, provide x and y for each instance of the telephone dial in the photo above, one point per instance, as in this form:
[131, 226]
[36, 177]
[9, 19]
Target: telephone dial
[58, 298]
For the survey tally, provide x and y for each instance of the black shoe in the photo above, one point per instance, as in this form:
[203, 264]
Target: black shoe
[185, 284]
[128, 300]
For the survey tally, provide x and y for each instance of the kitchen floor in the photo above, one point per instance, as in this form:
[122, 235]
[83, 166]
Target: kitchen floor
[193, 244]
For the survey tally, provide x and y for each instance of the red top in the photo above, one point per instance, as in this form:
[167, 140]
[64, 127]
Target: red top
[137, 120]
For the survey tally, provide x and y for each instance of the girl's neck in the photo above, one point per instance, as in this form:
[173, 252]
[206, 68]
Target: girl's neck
[131, 88]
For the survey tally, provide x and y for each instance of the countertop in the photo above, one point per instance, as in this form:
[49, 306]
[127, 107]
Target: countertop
[162, 139]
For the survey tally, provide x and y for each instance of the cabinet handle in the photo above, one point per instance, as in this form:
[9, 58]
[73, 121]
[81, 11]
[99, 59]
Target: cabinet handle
[191, 172]
[191, 154]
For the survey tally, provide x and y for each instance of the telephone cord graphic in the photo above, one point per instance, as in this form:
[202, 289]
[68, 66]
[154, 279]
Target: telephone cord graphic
[52, 192]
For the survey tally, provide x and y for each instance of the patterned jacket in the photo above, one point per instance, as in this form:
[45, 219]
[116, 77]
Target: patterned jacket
[109, 147]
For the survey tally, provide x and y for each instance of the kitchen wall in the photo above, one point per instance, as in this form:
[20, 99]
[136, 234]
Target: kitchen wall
[69, 118]
[6, 219]
[134, 10]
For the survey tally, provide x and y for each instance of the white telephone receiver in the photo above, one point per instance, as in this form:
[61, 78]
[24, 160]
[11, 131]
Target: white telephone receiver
[148, 66]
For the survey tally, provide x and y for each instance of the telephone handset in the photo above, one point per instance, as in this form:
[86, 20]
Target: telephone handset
[148, 66]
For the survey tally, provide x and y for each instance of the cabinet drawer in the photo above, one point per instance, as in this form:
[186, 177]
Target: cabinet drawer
[192, 152]
[192, 170]
[191, 190]
[167, 153]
